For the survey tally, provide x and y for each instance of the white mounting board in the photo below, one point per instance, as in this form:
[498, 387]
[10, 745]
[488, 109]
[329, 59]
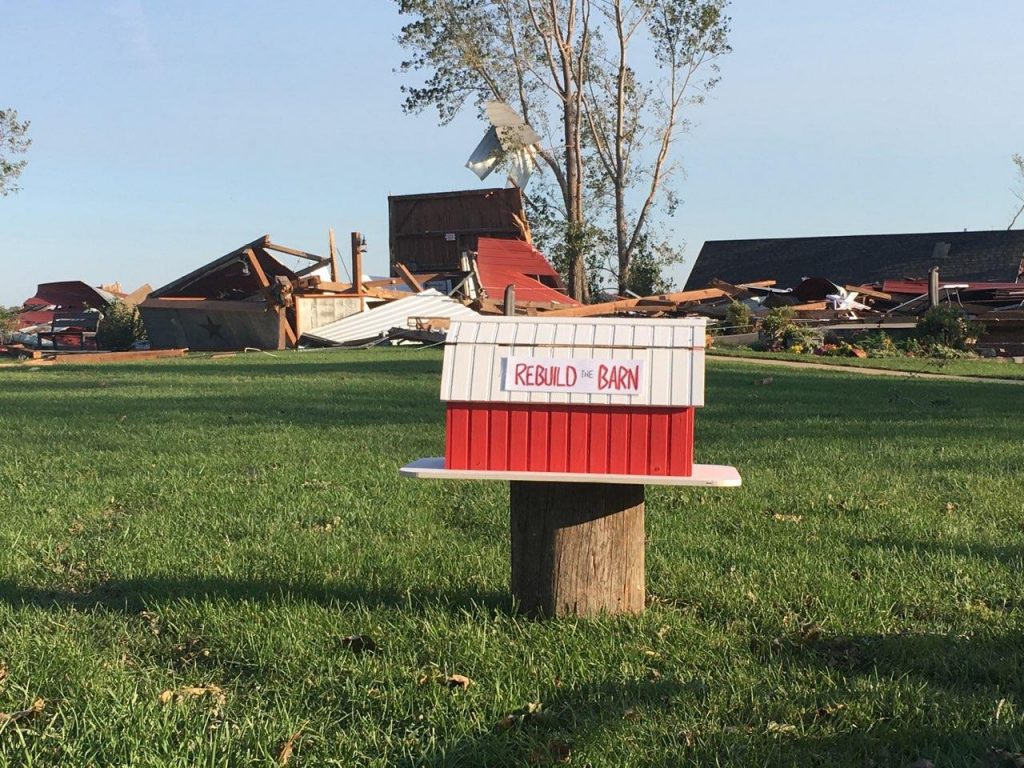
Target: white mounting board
[704, 475]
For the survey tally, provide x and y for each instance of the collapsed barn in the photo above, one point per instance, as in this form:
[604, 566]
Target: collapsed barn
[464, 254]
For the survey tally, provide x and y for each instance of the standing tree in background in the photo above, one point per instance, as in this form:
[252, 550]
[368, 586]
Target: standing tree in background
[572, 68]
[1018, 161]
[8, 322]
[13, 141]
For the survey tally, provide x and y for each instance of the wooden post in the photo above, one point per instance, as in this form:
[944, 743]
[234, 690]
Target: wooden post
[357, 267]
[333, 253]
[577, 548]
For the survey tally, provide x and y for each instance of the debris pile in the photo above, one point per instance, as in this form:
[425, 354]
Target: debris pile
[456, 255]
[64, 317]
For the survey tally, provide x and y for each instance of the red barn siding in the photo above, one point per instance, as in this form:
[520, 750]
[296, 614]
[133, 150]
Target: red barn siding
[569, 438]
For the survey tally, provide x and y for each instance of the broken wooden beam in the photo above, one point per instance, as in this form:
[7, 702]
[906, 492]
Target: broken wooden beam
[291, 251]
[702, 294]
[333, 255]
[594, 310]
[408, 278]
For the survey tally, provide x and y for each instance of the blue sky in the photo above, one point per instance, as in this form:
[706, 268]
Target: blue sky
[168, 133]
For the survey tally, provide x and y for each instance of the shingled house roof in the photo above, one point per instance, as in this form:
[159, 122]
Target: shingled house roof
[978, 256]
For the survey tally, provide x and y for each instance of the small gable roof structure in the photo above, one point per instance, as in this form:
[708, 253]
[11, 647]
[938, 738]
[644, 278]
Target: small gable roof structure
[989, 256]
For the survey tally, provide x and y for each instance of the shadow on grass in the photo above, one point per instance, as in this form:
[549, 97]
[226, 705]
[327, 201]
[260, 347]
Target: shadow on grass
[633, 715]
[133, 595]
[318, 408]
[569, 719]
[1007, 554]
[989, 663]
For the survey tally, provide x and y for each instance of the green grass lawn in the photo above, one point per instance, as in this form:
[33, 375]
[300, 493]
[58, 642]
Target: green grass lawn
[983, 368]
[225, 525]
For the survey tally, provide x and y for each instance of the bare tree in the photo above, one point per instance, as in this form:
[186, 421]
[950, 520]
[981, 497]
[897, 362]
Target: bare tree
[686, 38]
[1018, 161]
[13, 141]
[569, 63]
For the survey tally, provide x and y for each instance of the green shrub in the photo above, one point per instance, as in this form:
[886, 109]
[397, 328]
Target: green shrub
[943, 352]
[8, 321]
[878, 344]
[948, 326]
[737, 318]
[772, 333]
[779, 333]
[801, 338]
[121, 325]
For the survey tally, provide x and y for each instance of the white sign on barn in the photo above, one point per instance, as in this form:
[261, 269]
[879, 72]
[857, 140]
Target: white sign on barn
[549, 374]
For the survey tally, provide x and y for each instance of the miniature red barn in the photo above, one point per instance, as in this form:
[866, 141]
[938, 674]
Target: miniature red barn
[589, 396]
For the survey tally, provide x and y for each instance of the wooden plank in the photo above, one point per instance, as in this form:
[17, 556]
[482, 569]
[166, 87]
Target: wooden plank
[250, 254]
[702, 294]
[384, 282]
[594, 310]
[381, 293]
[662, 303]
[291, 251]
[289, 332]
[757, 284]
[332, 287]
[731, 290]
[138, 295]
[87, 358]
[431, 323]
[407, 276]
[318, 296]
[864, 290]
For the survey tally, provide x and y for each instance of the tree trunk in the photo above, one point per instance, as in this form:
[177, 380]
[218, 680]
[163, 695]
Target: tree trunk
[577, 548]
[574, 241]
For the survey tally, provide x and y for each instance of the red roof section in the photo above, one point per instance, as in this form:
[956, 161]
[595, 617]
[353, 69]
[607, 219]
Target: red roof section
[503, 262]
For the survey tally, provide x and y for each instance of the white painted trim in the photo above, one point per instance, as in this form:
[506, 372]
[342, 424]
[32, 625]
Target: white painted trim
[704, 475]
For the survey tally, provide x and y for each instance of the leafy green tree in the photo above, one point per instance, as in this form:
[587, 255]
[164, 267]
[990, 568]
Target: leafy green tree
[606, 81]
[14, 141]
[121, 325]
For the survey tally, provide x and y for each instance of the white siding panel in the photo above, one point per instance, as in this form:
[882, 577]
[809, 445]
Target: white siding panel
[662, 336]
[697, 379]
[462, 365]
[506, 333]
[604, 335]
[681, 391]
[661, 376]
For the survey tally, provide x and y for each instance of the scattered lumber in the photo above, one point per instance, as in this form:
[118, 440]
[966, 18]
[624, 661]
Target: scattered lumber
[89, 358]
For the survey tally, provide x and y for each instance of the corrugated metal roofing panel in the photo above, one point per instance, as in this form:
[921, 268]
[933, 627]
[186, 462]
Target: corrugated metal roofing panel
[515, 262]
[672, 352]
[373, 323]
